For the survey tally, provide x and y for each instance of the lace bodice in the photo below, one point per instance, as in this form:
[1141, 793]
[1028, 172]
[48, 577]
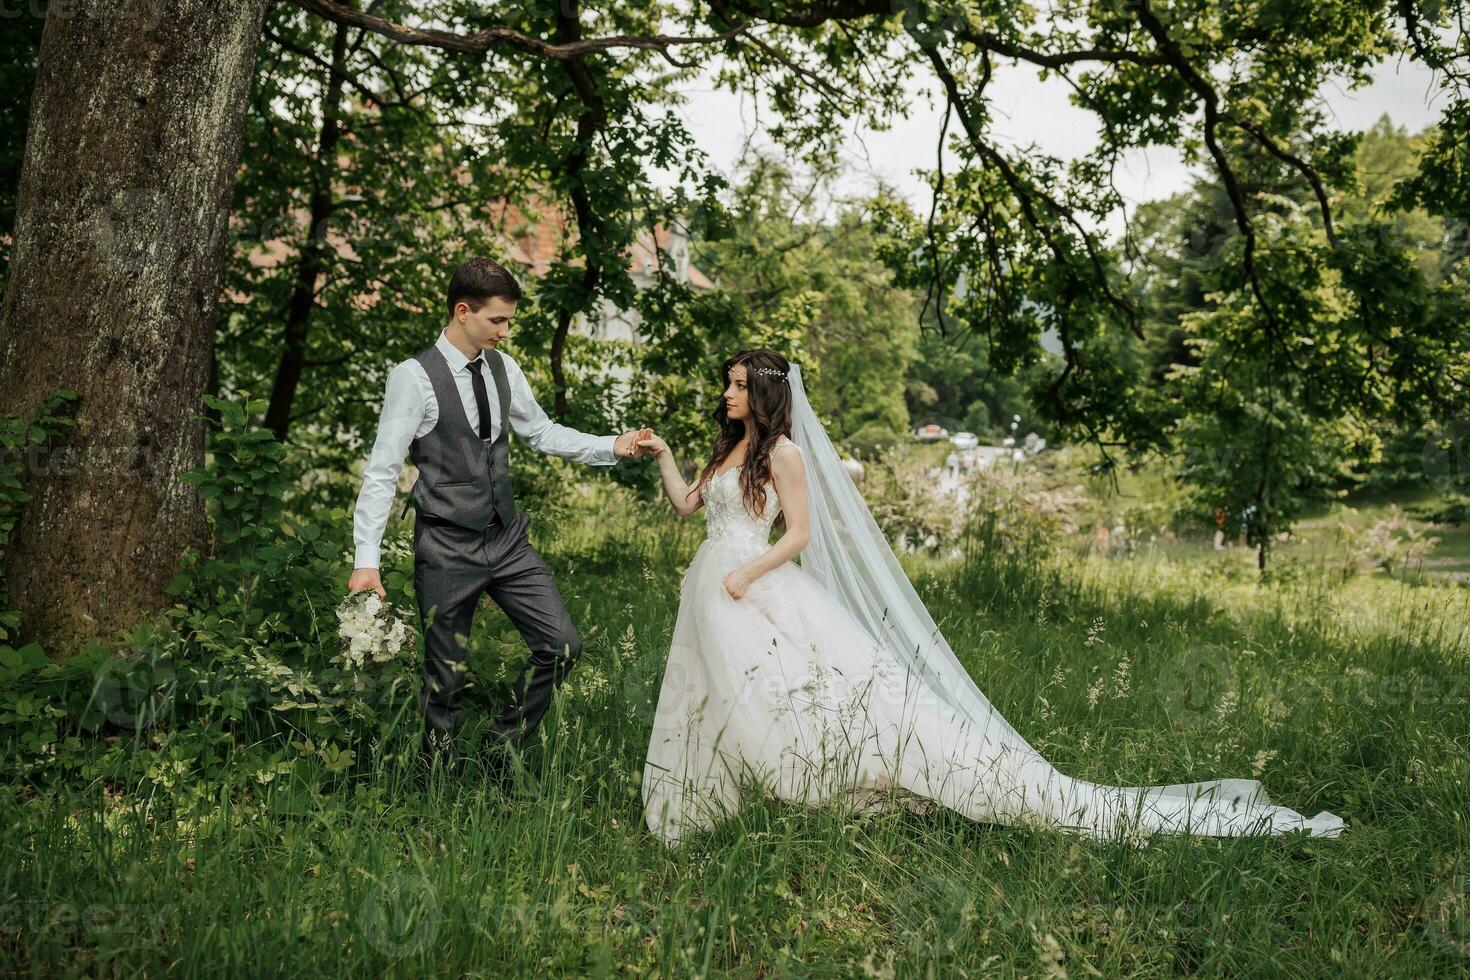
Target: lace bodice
[726, 516]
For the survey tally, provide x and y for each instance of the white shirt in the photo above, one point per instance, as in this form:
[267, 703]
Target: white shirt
[410, 411]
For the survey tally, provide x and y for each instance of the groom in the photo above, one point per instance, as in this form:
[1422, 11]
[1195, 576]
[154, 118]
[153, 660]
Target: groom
[453, 406]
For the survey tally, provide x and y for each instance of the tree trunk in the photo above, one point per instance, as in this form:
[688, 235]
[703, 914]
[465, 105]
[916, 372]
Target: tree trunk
[123, 207]
[590, 122]
[1264, 524]
[313, 258]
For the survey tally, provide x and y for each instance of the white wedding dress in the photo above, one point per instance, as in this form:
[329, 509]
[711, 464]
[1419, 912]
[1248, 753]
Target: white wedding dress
[787, 686]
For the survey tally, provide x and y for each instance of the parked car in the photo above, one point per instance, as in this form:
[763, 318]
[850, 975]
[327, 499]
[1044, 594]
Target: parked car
[931, 432]
[964, 440]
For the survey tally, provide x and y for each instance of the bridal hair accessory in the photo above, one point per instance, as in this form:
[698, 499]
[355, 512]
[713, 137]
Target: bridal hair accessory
[771, 371]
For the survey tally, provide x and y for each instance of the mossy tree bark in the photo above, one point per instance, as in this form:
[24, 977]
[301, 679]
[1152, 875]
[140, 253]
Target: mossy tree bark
[122, 215]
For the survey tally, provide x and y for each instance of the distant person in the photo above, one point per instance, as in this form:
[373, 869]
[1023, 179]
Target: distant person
[1119, 537]
[1247, 514]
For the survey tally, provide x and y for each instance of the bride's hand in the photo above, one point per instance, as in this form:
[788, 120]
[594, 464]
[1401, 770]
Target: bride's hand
[655, 446]
[737, 582]
[626, 445]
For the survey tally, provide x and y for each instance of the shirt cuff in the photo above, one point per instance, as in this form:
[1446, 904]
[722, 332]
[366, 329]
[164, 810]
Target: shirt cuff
[604, 449]
[368, 556]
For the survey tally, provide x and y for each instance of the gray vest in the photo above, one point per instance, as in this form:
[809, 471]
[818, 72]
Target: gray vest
[463, 479]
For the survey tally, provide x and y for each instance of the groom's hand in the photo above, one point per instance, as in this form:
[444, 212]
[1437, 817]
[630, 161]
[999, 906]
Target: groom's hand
[627, 446]
[366, 578]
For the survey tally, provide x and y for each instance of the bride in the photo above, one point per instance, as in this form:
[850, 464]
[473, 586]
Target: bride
[829, 680]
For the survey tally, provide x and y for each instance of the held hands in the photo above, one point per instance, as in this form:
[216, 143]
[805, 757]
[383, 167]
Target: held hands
[651, 443]
[738, 581]
[628, 445]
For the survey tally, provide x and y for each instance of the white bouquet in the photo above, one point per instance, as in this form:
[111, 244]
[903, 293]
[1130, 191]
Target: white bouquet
[370, 630]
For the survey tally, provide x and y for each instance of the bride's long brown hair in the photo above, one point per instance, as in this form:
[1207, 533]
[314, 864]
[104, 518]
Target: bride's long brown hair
[769, 398]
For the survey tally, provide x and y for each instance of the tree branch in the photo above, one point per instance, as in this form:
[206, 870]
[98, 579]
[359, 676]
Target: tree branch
[1010, 49]
[482, 42]
[1025, 193]
[1408, 9]
[1210, 99]
[1302, 166]
[339, 74]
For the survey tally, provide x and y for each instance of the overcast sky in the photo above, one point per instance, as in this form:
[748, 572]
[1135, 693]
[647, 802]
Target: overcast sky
[1030, 110]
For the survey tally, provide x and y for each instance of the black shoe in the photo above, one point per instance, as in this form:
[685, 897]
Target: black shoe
[496, 769]
[498, 765]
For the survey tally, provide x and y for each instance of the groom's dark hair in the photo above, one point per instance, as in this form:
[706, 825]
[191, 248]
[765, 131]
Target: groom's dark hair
[478, 280]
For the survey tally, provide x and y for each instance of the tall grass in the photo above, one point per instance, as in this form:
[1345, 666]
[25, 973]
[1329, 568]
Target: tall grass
[1347, 697]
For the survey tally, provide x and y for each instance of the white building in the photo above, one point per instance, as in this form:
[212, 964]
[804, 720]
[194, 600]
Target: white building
[536, 243]
[612, 323]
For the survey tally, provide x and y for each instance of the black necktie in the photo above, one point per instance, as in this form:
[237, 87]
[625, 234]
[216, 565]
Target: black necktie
[482, 398]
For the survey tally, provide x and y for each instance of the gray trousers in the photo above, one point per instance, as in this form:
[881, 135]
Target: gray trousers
[452, 567]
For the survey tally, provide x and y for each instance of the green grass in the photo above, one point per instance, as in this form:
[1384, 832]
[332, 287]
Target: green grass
[1317, 540]
[1347, 697]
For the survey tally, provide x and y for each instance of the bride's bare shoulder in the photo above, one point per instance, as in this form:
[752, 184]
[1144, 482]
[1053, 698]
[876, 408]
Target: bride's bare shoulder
[786, 459]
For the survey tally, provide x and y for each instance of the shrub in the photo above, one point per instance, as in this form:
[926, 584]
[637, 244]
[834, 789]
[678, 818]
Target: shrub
[250, 646]
[907, 502]
[873, 441]
[1388, 543]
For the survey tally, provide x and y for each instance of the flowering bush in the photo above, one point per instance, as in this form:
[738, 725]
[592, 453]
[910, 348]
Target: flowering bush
[908, 502]
[1390, 542]
[251, 644]
[1032, 503]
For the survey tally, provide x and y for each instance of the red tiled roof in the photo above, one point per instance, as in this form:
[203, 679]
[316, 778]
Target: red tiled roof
[645, 255]
[533, 237]
[536, 239]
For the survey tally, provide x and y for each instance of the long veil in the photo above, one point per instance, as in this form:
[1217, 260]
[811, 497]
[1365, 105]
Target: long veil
[850, 557]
